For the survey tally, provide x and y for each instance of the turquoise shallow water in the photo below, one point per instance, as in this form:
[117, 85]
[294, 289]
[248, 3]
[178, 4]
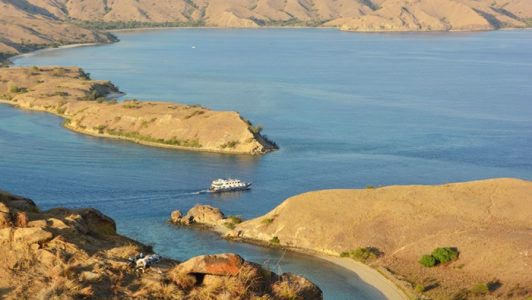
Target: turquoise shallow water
[348, 110]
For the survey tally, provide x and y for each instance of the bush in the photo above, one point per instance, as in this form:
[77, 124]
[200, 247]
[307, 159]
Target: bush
[267, 221]
[275, 240]
[16, 90]
[256, 129]
[480, 289]
[363, 254]
[235, 219]
[229, 225]
[439, 256]
[420, 288]
[445, 255]
[428, 261]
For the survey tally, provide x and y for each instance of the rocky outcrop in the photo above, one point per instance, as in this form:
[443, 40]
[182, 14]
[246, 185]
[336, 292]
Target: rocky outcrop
[209, 269]
[199, 214]
[71, 254]
[86, 107]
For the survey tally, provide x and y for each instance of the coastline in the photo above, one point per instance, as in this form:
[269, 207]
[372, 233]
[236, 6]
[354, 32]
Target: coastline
[385, 284]
[9, 59]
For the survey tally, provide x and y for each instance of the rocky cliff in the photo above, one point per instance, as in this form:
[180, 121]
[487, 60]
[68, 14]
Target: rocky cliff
[488, 222]
[86, 107]
[72, 254]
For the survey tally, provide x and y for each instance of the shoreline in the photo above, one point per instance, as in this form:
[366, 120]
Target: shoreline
[9, 59]
[366, 273]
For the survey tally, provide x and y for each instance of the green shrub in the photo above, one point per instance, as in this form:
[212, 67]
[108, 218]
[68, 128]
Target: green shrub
[420, 288]
[229, 225]
[16, 90]
[235, 219]
[363, 254]
[61, 94]
[428, 261]
[275, 240]
[439, 256]
[445, 255]
[480, 289]
[267, 221]
[256, 129]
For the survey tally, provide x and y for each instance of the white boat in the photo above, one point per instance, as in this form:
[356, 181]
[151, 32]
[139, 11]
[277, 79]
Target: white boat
[229, 185]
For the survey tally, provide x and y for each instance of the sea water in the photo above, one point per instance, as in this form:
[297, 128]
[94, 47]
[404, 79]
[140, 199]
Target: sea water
[348, 110]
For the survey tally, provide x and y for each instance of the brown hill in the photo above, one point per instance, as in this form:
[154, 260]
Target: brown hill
[69, 93]
[488, 221]
[77, 254]
[30, 24]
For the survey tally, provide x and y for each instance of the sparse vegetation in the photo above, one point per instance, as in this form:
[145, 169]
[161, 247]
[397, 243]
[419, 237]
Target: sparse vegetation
[229, 225]
[17, 90]
[230, 144]
[480, 289]
[275, 240]
[195, 113]
[439, 256]
[363, 254]
[110, 25]
[256, 129]
[193, 143]
[428, 261]
[267, 221]
[132, 104]
[420, 288]
[235, 219]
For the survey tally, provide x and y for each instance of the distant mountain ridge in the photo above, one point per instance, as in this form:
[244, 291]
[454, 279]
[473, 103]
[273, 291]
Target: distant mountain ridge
[26, 24]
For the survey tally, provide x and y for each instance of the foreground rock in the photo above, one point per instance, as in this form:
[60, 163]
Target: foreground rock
[391, 228]
[71, 254]
[84, 103]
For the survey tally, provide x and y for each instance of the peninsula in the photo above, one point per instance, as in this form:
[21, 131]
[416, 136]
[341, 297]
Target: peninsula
[460, 240]
[88, 108]
[75, 254]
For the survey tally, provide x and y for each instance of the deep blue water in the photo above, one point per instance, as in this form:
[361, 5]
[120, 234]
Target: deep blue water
[348, 110]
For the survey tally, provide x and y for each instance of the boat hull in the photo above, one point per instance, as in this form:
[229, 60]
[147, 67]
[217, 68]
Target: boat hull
[230, 189]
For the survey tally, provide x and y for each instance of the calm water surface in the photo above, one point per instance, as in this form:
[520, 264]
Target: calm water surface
[348, 110]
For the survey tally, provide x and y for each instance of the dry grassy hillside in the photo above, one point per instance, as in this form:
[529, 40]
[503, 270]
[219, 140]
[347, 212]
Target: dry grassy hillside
[25, 26]
[29, 24]
[69, 93]
[488, 221]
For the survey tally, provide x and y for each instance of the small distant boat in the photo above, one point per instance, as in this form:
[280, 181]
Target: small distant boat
[229, 185]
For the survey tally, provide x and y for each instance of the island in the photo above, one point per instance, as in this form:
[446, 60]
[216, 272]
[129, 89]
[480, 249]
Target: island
[458, 241]
[88, 107]
[75, 254]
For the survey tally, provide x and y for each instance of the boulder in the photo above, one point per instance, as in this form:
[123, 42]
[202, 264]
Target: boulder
[5, 220]
[21, 219]
[97, 222]
[226, 264]
[176, 217]
[87, 276]
[4, 208]
[204, 214]
[299, 286]
[31, 235]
